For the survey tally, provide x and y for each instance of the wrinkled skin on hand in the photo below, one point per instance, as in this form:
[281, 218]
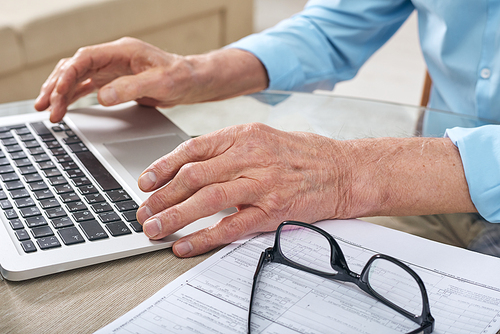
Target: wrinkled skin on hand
[268, 175]
[134, 66]
[129, 69]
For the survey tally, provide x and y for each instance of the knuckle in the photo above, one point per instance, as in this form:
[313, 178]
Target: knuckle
[217, 196]
[191, 175]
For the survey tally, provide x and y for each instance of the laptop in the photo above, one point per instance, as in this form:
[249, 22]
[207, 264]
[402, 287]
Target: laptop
[69, 191]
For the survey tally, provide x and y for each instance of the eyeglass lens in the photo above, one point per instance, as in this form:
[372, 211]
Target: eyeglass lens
[306, 247]
[396, 285]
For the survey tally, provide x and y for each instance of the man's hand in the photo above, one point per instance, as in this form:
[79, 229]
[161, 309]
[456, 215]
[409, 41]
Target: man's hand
[129, 69]
[271, 176]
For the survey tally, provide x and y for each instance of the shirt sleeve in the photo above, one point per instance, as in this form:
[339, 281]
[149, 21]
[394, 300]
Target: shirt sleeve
[480, 153]
[325, 43]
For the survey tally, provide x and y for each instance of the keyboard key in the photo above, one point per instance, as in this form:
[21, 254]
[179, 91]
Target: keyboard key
[42, 232]
[61, 222]
[22, 235]
[13, 148]
[41, 157]
[78, 147]
[70, 235]
[51, 144]
[4, 161]
[63, 158]
[5, 204]
[27, 169]
[129, 215]
[11, 214]
[93, 230]
[23, 163]
[76, 206]
[51, 172]
[9, 177]
[83, 215]
[9, 141]
[55, 212]
[13, 185]
[126, 206]
[6, 169]
[49, 203]
[19, 193]
[63, 188]
[102, 176]
[46, 165]
[3, 195]
[94, 198]
[30, 212]
[136, 226]
[88, 189]
[43, 194]
[47, 243]
[118, 228]
[74, 173]
[36, 221]
[69, 165]
[108, 217]
[71, 140]
[70, 197]
[40, 128]
[118, 195]
[57, 180]
[16, 224]
[24, 202]
[40, 185]
[31, 144]
[101, 207]
[36, 150]
[80, 181]
[34, 177]
[58, 151]
[23, 130]
[28, 246]
[17, 154]
[26, 136]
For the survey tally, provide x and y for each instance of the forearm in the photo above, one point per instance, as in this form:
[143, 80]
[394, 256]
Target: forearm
[412, 176]
[223, 74]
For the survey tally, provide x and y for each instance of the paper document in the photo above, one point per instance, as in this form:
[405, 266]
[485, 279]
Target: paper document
[213, 297]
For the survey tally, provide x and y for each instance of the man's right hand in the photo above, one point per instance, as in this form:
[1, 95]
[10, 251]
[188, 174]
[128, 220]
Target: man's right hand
[129, 69]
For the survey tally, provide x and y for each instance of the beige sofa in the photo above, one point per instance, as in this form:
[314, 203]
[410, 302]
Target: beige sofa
[35, 34]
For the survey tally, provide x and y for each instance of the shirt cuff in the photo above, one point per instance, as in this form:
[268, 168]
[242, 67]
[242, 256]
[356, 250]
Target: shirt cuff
[282, 66]
[480, 153]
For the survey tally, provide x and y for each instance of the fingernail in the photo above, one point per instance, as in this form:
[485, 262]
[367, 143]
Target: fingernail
[108, 96]
[183, 248]
[143, 214]
[152, 227]
[147, 180]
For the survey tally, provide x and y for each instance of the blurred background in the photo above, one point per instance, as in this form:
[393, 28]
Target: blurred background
[35, 34]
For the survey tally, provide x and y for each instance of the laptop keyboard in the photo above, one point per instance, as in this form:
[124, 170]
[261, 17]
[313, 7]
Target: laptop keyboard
[51, 199]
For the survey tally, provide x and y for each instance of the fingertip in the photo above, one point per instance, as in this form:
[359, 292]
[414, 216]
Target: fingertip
[107, 96]
[183, 248]
[147, 181]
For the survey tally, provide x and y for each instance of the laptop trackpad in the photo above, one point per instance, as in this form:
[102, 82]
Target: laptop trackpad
[137, 154]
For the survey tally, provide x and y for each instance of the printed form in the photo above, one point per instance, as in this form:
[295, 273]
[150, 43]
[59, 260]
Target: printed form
[213, 297]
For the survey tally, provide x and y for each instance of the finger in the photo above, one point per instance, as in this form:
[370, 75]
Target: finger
[150, 84]
[43, 100]
[229, 229]
[193, 177]
[194, 150]
[204, 203]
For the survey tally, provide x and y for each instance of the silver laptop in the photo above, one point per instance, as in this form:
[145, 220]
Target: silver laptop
[69, 191]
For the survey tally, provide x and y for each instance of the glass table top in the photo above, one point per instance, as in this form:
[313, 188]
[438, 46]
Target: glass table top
[329, 115]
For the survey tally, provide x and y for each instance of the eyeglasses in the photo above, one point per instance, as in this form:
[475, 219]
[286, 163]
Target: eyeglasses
[299, 245]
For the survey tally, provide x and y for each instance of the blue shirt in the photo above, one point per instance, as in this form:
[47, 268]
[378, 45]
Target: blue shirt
[460, 39]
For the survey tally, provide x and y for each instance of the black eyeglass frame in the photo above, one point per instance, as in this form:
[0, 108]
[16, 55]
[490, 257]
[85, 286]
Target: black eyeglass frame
[344, 274]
